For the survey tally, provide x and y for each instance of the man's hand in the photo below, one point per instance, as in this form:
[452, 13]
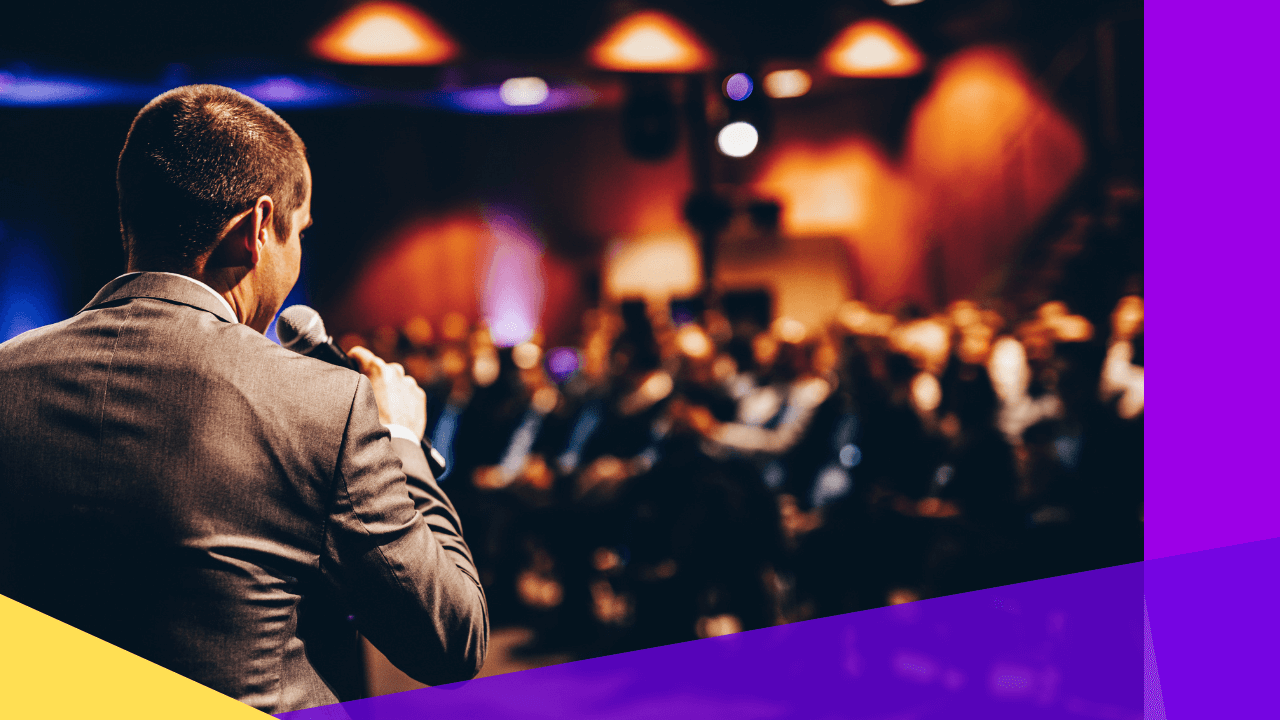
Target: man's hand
[400, 400]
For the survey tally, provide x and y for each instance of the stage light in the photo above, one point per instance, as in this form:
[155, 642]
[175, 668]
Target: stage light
[738, 86]
[787, 83]
[737, 139]
[650, 41]
[524, 91]
[872, 48]
[900, 3]
[384, 33]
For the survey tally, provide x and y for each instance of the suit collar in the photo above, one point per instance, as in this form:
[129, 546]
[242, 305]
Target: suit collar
[168, 287]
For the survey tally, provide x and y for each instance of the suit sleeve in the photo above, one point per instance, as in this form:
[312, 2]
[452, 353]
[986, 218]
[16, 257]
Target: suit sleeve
[394, 547]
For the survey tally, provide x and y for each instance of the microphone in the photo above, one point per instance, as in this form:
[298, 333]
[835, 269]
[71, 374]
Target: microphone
[301, 330]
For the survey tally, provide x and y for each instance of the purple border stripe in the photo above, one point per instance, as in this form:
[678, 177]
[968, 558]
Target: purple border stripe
[1065, 647]
[1212, 153]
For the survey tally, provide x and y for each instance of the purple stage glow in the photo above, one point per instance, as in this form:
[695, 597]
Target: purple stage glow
[512, 291]
[285, 91]
[25, 90]
[487, 100]
[22, 87]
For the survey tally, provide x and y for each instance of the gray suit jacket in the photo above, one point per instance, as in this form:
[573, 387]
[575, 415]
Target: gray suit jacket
[178, 485]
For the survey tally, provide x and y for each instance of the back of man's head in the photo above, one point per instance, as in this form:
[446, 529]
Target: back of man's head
[196, 157]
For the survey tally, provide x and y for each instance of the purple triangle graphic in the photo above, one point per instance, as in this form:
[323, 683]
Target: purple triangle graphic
[1153, 697]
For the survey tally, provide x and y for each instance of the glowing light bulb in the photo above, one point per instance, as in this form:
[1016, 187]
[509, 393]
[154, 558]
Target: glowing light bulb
[524, 91]
[738, 139]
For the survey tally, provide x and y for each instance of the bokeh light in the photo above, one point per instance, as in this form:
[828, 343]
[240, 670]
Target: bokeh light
[526, 355]
[790, 330]
[926, 392]
[738, 139]
[850, 455]
[418, 331]
[562, 363]
[523, 91]
[694, 342]
[787, 83]
[738, 86]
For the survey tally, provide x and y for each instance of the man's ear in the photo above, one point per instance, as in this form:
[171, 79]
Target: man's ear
[262, 218]
[246, 235]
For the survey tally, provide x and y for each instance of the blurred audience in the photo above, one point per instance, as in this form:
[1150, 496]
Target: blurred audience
[673, 479]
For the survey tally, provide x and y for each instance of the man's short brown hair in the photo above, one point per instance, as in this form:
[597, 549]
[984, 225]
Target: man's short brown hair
[195, 157]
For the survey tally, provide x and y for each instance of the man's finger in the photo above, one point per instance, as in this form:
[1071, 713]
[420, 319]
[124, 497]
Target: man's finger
[367, 361]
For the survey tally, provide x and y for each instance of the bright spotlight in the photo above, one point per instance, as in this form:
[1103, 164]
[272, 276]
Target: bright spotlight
[872, 48]
[898, 3]
[787, 83]
[384, 33]
[738, 86]
[650, 41]
[523, 91]
[738, 139]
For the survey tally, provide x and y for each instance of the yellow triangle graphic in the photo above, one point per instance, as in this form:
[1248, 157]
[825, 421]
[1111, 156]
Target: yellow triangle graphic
[51, 670]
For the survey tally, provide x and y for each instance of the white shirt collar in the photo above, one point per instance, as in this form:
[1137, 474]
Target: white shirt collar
[231, 313]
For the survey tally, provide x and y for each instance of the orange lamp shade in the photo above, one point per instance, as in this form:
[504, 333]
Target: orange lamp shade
[650, 41]
[384, 33]
[872, 48]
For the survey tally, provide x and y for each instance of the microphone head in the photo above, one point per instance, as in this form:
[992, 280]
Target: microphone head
[300, 329]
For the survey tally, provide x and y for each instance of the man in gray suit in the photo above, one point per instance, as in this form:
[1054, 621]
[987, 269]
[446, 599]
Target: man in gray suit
[176, 484]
